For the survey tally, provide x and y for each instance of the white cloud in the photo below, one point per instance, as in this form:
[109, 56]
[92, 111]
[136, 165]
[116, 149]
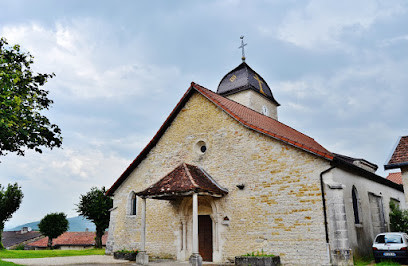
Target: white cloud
[53, 181]
[73, 51]
[394, 40]
[320, 24]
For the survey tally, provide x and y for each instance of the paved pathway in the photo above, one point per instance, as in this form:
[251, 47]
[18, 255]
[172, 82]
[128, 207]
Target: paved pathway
[94, 260]
[72, 260]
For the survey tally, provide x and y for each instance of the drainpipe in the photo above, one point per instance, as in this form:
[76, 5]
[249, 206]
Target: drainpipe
[324, 201]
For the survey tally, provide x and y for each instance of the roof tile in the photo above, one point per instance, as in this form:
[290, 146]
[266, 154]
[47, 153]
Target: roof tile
[395, 177]
[71, 239]
[11, 238]
[184, 179]
[400, 154]
[264, 124]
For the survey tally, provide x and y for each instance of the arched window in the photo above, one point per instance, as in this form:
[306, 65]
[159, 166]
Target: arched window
[354, 195]
[133, 204]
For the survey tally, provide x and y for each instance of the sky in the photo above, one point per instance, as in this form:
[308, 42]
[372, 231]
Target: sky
[338, 69]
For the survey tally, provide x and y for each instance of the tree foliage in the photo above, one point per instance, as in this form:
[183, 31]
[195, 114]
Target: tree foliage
[22, 126]
[398, 218]
[10, 200]
[95, 206]
[53, 225]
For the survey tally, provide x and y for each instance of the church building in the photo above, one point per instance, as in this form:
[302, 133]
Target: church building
[223, 177]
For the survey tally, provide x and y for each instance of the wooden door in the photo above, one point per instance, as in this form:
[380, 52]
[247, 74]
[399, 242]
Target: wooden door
[377, 214]
[205, 247]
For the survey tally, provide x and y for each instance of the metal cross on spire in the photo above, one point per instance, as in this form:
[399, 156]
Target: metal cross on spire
[242, 47]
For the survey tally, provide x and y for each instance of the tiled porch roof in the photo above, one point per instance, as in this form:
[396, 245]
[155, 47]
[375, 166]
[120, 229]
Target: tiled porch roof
[184, 180]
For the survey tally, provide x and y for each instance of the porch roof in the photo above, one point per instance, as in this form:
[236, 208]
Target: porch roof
[184, 180]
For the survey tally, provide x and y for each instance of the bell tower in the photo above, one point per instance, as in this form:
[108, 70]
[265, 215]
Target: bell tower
[245, 86]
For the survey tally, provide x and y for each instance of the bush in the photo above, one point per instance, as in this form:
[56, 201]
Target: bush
[398, 218]
[128, 251]
[258, 254]
[20, 247]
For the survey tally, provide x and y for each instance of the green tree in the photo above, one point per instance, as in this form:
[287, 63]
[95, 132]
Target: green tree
[95, 206]
[10, 200]
[398, 218]
[53, 225]
[22, 126]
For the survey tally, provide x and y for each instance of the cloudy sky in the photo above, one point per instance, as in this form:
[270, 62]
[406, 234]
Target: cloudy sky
[339, 69]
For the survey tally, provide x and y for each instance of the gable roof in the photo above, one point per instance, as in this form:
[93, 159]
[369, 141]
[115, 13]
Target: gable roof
[184, 180]
[362, 163]
[348, 163]
[395, 177]
[71, 239]
[244, 115]
[399, 156]
[12, 238]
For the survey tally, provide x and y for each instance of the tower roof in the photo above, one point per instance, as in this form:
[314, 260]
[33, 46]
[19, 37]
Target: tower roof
[244, 78]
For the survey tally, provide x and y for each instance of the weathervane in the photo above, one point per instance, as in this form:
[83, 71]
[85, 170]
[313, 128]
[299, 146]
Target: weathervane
[242, 47]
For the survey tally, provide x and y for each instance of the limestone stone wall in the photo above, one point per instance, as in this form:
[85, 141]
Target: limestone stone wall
[256, 102]
[279, 210]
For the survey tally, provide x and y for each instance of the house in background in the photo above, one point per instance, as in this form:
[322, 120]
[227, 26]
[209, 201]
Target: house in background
[224, 177]
[69, 240]
[395, 177]
[13, 239]
[399, 160]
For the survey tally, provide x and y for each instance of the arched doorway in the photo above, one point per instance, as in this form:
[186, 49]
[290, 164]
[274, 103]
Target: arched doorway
[199, 191]
[208, 229]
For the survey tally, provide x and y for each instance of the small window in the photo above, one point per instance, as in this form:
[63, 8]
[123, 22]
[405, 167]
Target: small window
[201, 147]
[354, 195]
[395, 202]
[133, 204]
[265, 110]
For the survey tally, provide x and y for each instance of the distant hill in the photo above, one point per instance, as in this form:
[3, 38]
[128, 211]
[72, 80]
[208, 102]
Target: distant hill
[76, 224]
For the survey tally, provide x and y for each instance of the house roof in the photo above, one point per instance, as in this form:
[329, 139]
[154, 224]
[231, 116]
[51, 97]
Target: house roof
[243, 78]
[399, 157]
[71, 239]
[184, 180]
[244, 115]
[357, 161]
[265, 124]
[348, 163]
[395, 177]
[12, 238]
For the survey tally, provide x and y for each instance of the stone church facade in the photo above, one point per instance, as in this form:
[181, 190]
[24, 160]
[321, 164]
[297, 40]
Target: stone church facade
[223, 177]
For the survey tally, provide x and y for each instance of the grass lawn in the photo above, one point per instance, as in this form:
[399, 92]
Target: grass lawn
[7, 263]
[370, 261]
[25, 254]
